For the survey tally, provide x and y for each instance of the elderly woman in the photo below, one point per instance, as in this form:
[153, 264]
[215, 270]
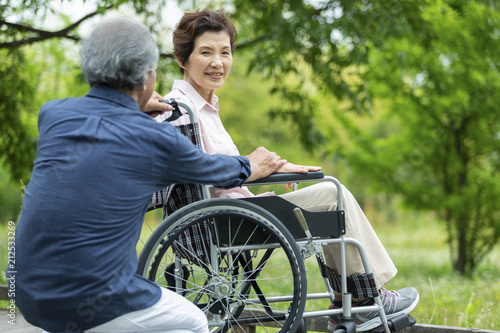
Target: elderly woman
[95, 171]
[204, 43]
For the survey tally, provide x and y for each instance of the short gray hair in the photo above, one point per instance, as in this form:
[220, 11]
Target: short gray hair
[118, 54]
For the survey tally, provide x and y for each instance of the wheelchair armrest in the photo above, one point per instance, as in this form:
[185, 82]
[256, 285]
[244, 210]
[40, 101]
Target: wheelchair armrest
[310, 177]
[285, 178]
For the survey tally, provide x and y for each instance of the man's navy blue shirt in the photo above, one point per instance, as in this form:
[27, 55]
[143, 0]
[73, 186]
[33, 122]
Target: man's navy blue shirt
[99, 159]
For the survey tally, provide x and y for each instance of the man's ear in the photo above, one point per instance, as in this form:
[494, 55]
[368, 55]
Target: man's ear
[142, 88]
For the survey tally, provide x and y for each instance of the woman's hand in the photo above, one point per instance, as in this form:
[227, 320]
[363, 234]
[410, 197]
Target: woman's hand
[294, 168]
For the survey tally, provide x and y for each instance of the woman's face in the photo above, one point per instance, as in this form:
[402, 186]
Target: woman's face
[208, 66]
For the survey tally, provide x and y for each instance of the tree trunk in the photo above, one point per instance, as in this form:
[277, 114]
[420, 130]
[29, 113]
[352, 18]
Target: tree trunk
[461, 261]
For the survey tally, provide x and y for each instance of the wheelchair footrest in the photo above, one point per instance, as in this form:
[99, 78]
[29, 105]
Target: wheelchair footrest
[397, 323]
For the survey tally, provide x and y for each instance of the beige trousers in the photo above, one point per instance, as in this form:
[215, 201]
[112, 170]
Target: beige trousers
[323, 197]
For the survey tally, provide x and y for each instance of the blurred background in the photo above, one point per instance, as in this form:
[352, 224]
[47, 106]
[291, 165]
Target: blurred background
[397, 99]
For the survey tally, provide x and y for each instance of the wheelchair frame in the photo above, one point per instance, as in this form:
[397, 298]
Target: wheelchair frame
[216, 252]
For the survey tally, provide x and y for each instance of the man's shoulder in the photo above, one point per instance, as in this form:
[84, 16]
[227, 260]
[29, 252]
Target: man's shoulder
[57, 109]
[55, 103]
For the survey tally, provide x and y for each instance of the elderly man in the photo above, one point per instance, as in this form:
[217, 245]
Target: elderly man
[99, 159]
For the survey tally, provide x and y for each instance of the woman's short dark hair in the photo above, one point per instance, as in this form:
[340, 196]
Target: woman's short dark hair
[193, 25]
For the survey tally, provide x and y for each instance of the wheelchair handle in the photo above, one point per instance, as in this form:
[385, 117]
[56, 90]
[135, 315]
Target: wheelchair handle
[176, 112]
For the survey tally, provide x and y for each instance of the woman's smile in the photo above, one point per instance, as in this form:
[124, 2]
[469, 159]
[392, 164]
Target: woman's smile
[208, 66]
[215, 75]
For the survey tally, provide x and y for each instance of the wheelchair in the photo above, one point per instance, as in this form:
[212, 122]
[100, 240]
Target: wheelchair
[242, 261]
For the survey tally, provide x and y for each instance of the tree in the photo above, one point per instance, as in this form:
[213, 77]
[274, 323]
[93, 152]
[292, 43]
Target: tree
[419, 58]
[445, 88]
[20, 31]
[16, 144]
[434, 65]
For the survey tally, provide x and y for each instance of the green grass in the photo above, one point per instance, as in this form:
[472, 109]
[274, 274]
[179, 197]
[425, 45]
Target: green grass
[418, 248]
[151, 221]
[419, 251]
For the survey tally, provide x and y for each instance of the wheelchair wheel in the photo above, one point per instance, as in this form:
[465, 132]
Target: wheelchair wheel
[234, 260]
[152, 219]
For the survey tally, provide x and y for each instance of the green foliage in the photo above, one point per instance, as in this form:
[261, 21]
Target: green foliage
[245, 99]
[16, 94]
[10, 198]
[33, 65]
[433, 65]
[444, 92]
[32, 77]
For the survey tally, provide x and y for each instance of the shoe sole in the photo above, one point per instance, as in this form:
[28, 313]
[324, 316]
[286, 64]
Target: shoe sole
[375, 322]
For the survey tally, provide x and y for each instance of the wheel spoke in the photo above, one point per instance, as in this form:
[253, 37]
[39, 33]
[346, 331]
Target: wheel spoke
[237, 266]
